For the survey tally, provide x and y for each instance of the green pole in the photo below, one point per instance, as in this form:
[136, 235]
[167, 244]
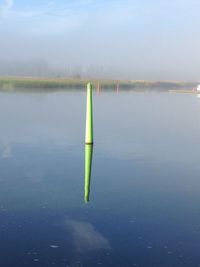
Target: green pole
[88, 169]
[89, 116]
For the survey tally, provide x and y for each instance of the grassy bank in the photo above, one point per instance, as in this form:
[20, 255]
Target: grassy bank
[13, 83]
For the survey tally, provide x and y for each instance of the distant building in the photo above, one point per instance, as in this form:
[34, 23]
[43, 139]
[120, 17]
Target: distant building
[198, 88]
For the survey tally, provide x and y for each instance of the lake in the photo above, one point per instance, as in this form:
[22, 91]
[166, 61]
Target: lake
[144, 191]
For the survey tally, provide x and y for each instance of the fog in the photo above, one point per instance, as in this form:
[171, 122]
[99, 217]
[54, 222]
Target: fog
[154, 40]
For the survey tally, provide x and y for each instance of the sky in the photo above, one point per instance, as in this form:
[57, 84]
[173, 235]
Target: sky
[154, 40]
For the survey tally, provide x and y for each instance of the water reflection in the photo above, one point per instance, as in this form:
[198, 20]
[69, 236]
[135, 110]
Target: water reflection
[85, 238]
[147, 157]
[88, 169]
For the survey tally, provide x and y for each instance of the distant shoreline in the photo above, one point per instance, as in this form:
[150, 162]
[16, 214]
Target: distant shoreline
[27, 83]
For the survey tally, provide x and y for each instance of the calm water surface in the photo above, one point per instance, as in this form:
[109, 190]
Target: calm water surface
[144, 207]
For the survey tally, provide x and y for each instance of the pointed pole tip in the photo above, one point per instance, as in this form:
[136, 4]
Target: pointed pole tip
[89, 85]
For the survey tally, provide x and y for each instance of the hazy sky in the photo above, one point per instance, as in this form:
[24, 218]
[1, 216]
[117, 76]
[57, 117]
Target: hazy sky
[143, 39]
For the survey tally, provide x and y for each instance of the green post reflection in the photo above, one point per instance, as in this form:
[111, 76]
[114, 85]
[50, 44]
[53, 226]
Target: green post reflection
[88, 169]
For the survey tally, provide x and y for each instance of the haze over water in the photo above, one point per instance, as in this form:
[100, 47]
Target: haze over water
[132, 198]
[144, 192]
[120, 39]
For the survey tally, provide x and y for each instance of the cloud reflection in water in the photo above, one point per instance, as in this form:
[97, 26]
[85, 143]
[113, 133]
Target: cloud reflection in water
[85, 238]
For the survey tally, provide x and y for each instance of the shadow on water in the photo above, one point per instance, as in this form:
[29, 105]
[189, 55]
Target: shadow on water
[88, 170]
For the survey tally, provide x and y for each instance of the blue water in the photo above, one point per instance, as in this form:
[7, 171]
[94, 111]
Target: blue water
[145, 184]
